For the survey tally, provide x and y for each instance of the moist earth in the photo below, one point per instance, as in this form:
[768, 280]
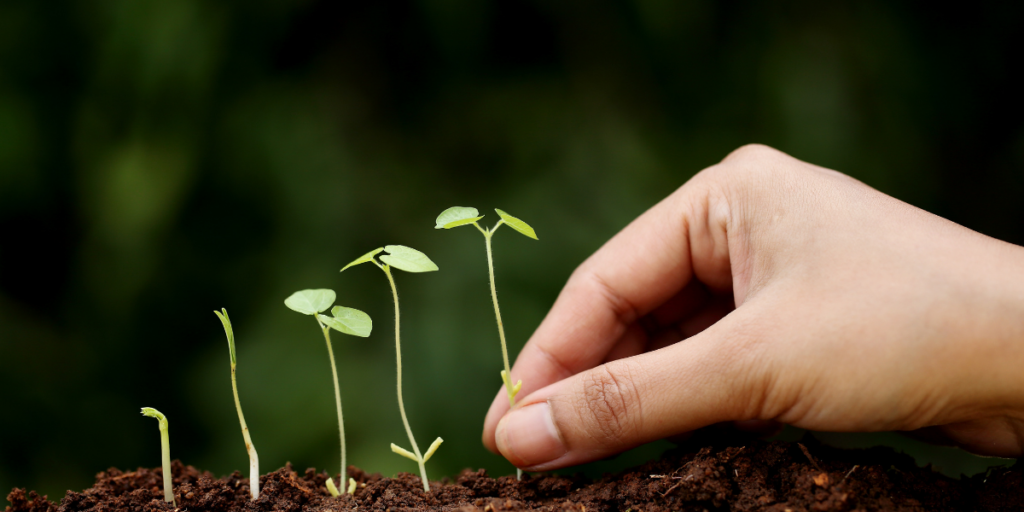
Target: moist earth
[749, 475]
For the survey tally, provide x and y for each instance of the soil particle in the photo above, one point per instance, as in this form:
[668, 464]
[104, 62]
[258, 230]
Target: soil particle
[750, 475]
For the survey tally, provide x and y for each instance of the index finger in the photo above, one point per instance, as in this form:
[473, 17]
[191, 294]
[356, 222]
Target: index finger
[640, 268]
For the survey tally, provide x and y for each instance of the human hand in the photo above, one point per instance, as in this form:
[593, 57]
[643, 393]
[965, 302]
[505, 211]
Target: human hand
[853, 312]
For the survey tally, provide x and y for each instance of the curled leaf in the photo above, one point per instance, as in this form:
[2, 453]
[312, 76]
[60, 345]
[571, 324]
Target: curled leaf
[310, 302]
[226, 321]
[457, 216]
[517, 224]
[407, 259]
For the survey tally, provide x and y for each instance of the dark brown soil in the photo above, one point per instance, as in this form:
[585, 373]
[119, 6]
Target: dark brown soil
[755, 476]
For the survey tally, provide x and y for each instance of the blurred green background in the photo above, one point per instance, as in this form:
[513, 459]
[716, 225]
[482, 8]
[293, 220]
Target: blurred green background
[162, 159]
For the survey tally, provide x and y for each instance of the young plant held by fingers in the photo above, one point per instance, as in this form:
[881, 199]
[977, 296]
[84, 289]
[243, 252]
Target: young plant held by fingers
[345, 320]
[254, 459]
[165, 452]
[409, 260]
[463, 216]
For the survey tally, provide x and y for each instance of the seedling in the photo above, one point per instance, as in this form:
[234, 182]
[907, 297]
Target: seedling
[165, 448]
[462, 216]
[344, 320]
[254, 459]
[409, 260]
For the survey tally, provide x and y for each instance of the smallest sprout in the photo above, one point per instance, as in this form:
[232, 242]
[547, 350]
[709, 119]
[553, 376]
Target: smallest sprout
[333, 489]
[165, 447]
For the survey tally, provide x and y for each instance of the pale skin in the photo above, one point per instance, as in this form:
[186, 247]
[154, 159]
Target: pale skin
[768, 291]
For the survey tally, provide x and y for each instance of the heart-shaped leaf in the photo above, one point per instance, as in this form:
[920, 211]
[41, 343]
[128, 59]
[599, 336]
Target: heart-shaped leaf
[407, 259]
[349, 321]
[310, 302]
[363, 259]
[517, 224]
[457, 216]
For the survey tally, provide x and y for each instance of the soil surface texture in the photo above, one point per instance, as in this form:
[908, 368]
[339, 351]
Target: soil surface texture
[750, 475]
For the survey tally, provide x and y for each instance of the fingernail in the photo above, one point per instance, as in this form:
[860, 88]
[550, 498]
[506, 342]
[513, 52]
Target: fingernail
[528, 437]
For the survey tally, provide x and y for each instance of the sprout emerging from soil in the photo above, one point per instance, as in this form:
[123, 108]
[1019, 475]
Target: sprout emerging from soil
[345, 320]
[254, 459]
[461, 216]
[409, 260]
[165, 448]
[333, 489]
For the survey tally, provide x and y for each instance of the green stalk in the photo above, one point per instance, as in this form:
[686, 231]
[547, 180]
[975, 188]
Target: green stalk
[337, 400]
[165, 448]
[497, 313]
[398, 360]
[507, 375]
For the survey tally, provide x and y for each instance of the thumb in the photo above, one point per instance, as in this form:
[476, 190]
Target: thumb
[709, 378]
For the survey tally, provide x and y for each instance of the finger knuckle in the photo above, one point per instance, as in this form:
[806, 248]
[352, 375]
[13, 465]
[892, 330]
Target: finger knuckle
[611, 401]
[750, 152]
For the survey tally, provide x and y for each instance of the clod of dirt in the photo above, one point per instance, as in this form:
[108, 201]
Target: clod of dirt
[748, 476]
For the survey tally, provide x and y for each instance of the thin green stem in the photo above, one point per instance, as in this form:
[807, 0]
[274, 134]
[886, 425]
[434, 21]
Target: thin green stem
[398, 360]
[497, 316]
[165, 448]
[254, 459]
[337, 401]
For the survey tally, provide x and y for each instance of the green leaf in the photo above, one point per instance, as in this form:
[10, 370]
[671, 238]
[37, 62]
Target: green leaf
[517, 224]
[349, 321]
[457, 216]
[407, 259]
[224, 319]
[364, 258]
[463, 222]
[310, 302]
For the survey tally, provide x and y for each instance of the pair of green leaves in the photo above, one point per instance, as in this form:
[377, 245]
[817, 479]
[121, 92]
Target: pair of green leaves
[345, 320]
[397, 256]
[462, 215]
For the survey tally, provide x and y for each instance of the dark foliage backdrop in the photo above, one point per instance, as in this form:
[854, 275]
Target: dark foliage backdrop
[162, 159]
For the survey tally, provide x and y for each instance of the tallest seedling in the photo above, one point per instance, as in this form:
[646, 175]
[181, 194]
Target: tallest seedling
[462, 216]
[409, 260]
